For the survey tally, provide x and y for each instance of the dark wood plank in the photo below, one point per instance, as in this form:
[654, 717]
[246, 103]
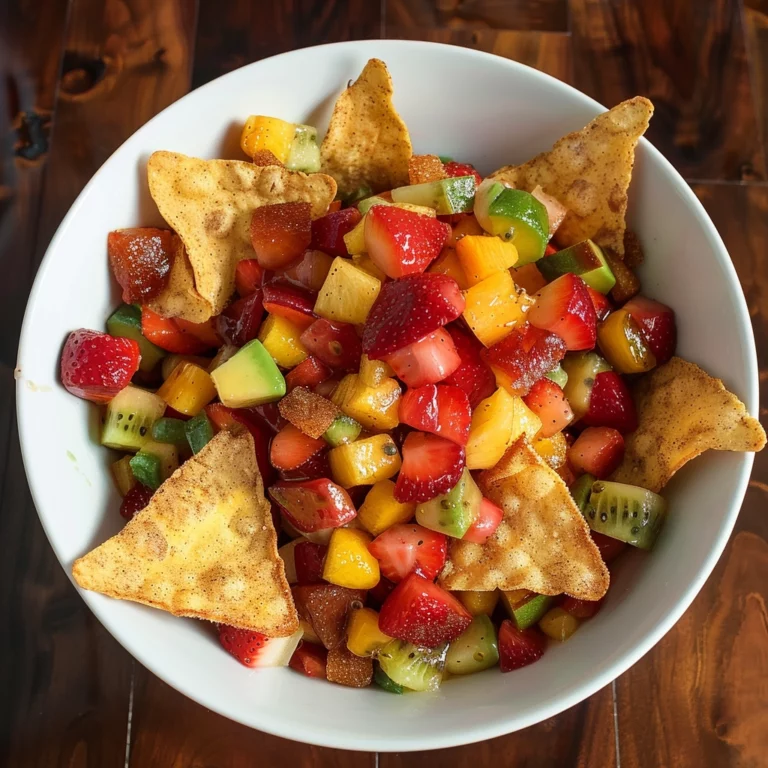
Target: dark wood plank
[700, 697]
[756, 27]
[690, 59]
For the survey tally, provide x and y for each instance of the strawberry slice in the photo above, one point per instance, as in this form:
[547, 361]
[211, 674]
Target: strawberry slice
[280, 233]
[291, 302]
[309, 558]
[248, 277]
[525, 355]
[442, 410]
[600, 302]
[563, 307]
[409, 548]
[431, 465]
[473, 375]
[291, 448]
[96, 366]
[611, 404]
[141, 260]
[308, 373]
[657, 325]
[310, 659]
[426, 361]
[609, 547]
[178, 336]
[519, 647]
[315, 468]
[328, 231]
[454, 169]
[409, 309]
[135, 500]
[313, 505]
[420, 612]
[581, 609]
[485, 524]
[325, 607]
[239, 323]
[547, 400]
[402, 242]
[598, 451]
[335, 344]
[253, 649]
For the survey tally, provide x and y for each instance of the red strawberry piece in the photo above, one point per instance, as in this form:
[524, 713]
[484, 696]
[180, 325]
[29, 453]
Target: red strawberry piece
[325, 607]
[409, 309]
[600, 302]
[310, 270]
[426, 361]
[308, 373]
[431, 466]
[313, 505]
[328, 231]
[248, 277]
[657, 325]
[309, 558]
[440, 409]
[473, 375]
[291, 448]
[280, 233]
[454, 169]
[178, 336]
[485, 524]
[597, 450]
[609, 547]
[547, 400]
[135, 500]
[611, 404]
[244, 644]
[563, 307]
[420, 612]
[380, 592]
[525, 355]
[239, 323]
[519, 647]
[141, 260]
[314, 468]
[335, 344]
[409, 548]
[96, 366]
[581, 609]
[268, 414]
[549, 250]
[402, 242]
[293, 303]
[310, 659]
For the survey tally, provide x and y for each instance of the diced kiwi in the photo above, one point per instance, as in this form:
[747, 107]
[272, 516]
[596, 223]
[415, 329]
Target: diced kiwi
[123, 475]
[381, 679]
[154, 464]
[125, 322]
[305, 153]
[199, 432]
[167, 430]
[343, 430]
[454, 512]
[419, 669]
[581, 491]
[626, 512]
[129, 419]
[558, 375]
[475, 649]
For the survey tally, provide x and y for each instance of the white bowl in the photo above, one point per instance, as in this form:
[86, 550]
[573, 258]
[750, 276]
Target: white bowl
[477, 108]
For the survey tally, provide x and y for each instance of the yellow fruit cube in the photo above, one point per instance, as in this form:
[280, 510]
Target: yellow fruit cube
[355, 238]
[123, 475]
[347, 294]
[467, 225]
[479, 603]
[482, 256]
[365, 262]
[281, 338]
[364, 462]
[528, 278]
[363, 633]
[558, 624]
[380, 510]
[373, 372]
[348, 563]
[552, 449]
[524, 422]
[490, 433]
[376, 408]
[188, 389]
[270, 133]
[511, 598]
[447, 263]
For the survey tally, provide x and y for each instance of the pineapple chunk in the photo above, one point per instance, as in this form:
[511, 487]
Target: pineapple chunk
[348, 562]
[376, 408]
[373, 372]
[447, 263]
[270, 133]
[365, 262]
[482, 256]
[363, 634]
[280, 338]
[380, 510]
[364, 462]
[494, 307]
[491, 431]
[348, 293]
[524, 421]
[479, 603]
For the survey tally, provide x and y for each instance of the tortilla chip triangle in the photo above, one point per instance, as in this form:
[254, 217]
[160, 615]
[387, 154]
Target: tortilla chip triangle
[589, 172]
[204, 547]
[542, 543]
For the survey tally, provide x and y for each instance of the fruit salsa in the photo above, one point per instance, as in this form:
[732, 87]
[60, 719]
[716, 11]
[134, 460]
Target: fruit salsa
[381, 419]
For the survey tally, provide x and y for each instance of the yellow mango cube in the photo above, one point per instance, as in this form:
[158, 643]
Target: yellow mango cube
[363, 633]
[270, 133]
[381, 510]
[524, 421]
[479, 603]
[364, 462]
[347, 294]
[376, 408]
[373, 372]
[494, 307]
[482, 256]
[490, 433]
[552, 449]
[467, 225]
[188, 389]
[447, 263]
[281, 338]
[558, 624]
[348, 562]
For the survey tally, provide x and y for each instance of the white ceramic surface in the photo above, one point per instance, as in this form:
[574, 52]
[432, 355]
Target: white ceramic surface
[477, 108]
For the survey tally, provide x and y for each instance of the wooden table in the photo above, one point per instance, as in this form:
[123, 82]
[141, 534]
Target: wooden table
[80, 76]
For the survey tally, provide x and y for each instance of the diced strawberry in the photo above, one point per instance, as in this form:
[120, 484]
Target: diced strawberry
[431, 465]
[409, 548]
[581, 609]
[335, 344]
[420, 612]
[309, 558]
[256, 650]
[485, 524]
[141, 260]
[291, 448]
[563, 307]
[549, 250]
[313, 505]
[248, 277]
[325, 607]
[96, 366]
[310, 659]
[657, 324]
[280, 233]
[328, 231]
[239, 323]
[291, 302]
[380, 592]
[597, 450]
[611, 404]
[519, 647]
[267, 413]
[453, 169]
[409, 309]
[442, 410]
[402, 242]
[609, 547]
[473, 375]
[335, 205]
[314, 468]
[426, 361]
[600, 302]
[135, 500]
[525, 355]
[308, 373]
[547, 400]
[310, 270]
[178, 336]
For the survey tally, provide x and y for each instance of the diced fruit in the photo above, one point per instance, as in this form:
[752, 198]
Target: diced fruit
[280, 233]
[313, 414]
[611, 404]
[582, 370]
[199, 432]
[558, 624]
[335, 344]
[431, 465]
[267, 133]
[446, 196]
[281, 339]
[454, 169]
[348, 562]
[597, 451]
[177, 335]
[581, 609]
[125, 322]
[466, 225]
[347, 294]
[584, 259]
[123, 475]
[308, 373]
[129, 419]
[188, 389]
[473, 375]
[488, 518]
[310, 659]
[581, 490]
[381, 510]
[373, 372]
[385, 682]
[328, 231]
[309, 561]
[558, 375]
[656, 322]
[226, 352]
[564, 308]
[475, 649]
[96, 366]
[326, 607]
[170, 363]
[354, 240]
[525, 610]
[490, 433]
[291, 448]
[556, 211]
[141, 260]
[548, 402]
[409, 309]
[420, 612]
[239, 322]
[447, 263]
[154, 464]
[291, 302]
[623, 344]
[288, 555]
[310, 270]
[313, 505]
[552, 449]
[376, 408]
[609, 547]
[479, 603]
[424, 168]
[409, 548]
[494, 308]
[426, 361]
[518, 648]
[600, 302]
[256, 650]
[248, 277]
[343, 430]
[135, 500]
[482, 256]
[364, 637]
[440, 409]
[364, 462]
[304, 154]
[347, 669]
[417, 669]
[529, 278]
[454, 512]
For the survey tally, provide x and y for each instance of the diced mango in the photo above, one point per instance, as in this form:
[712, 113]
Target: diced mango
[347, 294]
[479, 603]
[482, 256]
[558, 624]
[281, 338]
[467, 225]
[364, 462]
[376, 408]
[490, 433]
[270, 133]
[363, 633]
[188, 389]
[348, 563]
[380, 510]
[365, 262]
[373, 372]
[552, 449]
[524, 421]
[494, 307]
[529, 278]
[623, 345]
[123, 475]
[447, 263]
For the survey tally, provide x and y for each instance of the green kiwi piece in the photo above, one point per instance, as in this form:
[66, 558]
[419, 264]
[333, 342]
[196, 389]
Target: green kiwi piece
[581, 491]
[419, 669]
[129, 419]
[381, 679]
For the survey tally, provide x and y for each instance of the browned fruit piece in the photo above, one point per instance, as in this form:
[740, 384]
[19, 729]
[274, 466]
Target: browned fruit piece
[325, 607]
[633, 251]
[265, 157]
[627, 282]
[345, 668]
[424, 168]
[307, 411]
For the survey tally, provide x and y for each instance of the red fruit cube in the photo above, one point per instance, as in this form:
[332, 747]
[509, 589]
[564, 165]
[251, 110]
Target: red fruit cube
[581, 609]
[248, 277]
[609, 547]
[96, 366]
[426, 361]
[420, 612]
[141, 260]
[611, 404]
[239, 323]
[473, 375]
[308, 373]
[309, 559]
[135, 500]
[178, 336]
[380, 592]
[597, 451]
[600, 302]
[564, 308]
[280, 233]
[310, 659]
[440, 409]
[431, 466]
[335, 344]
[326, 607]
[314, 468]
[310, 270]
[291, 302]
[328, 231]
[519, 647]
[453, 169]
[410, 548]
[547, 400]
[244, 644]
[656, 322]
[313, 505]
[291, 448]
[485, 524]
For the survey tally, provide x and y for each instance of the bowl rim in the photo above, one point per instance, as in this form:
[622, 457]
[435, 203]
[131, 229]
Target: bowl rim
[280, 726]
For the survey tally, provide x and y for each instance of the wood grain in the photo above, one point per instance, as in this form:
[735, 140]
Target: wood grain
[756, 28]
